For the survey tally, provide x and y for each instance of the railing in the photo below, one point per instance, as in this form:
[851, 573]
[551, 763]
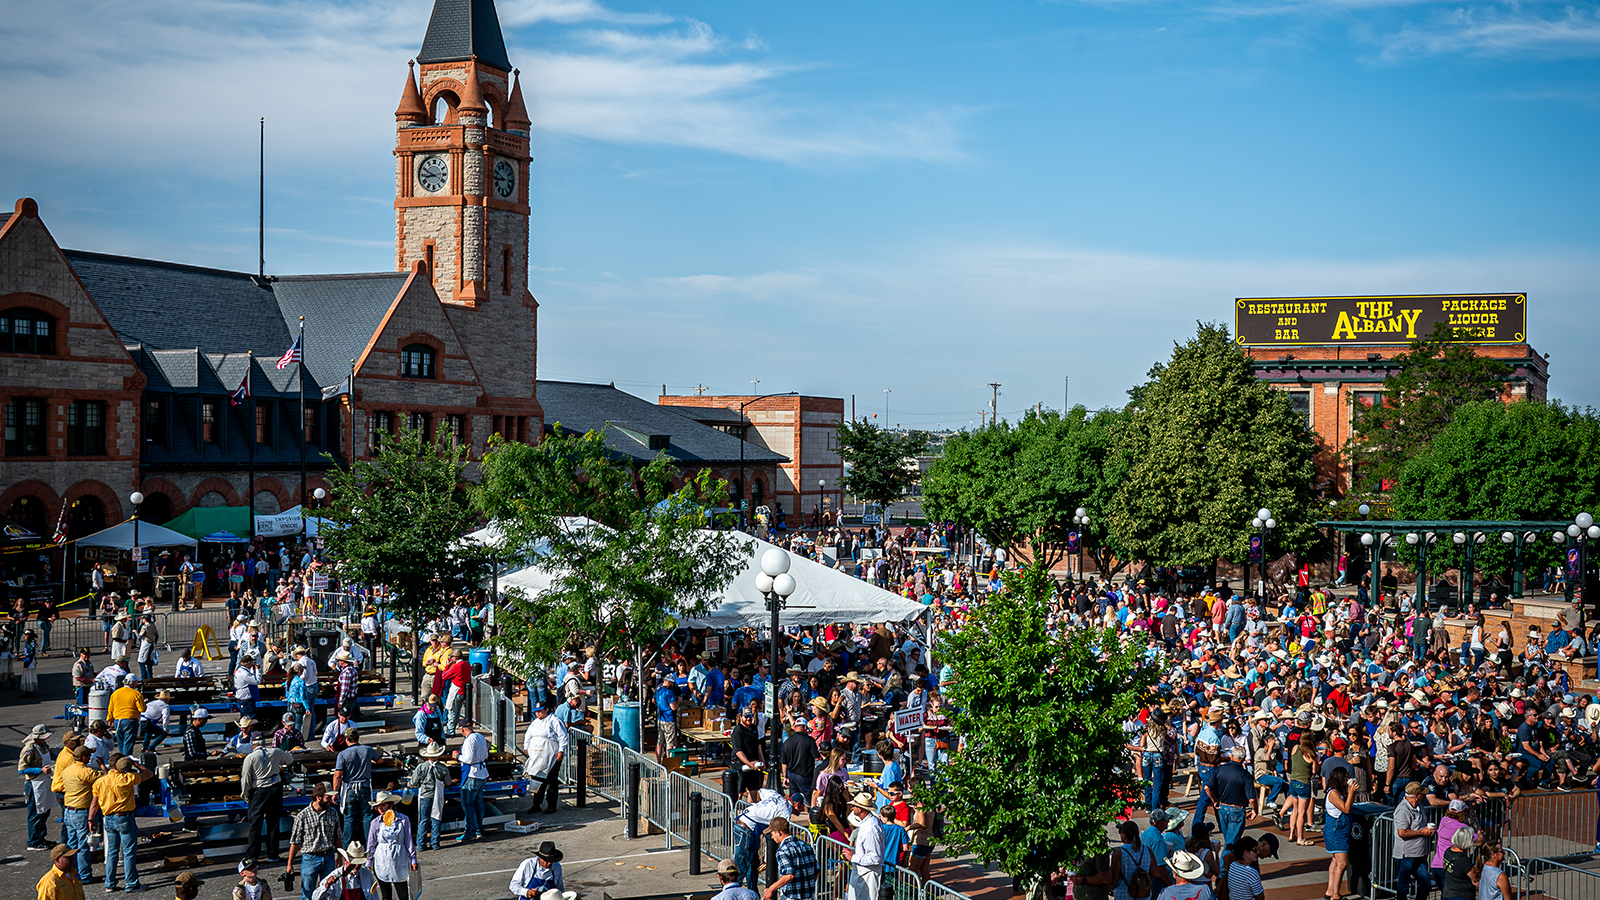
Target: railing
[833, 868]
[491, 708]
[1545, 825]
[1559, 881]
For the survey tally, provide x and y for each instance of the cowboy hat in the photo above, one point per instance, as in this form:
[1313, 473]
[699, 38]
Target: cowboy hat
[1186, 865]
[59, 851]
[343, 656]
[123, 615]
[433, 750]
[1232, 672]
[355, 854]
[819, 703]
[865, 800]
[385, 797]
[547, 851]
[1175, 817]
[553, 894]
[40, 731]
[1214, 716]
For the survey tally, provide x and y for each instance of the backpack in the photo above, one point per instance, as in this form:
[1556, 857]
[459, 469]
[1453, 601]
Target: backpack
[1139, 884]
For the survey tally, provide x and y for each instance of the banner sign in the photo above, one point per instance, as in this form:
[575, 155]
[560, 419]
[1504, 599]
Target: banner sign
[907, 720]
[1074, 542]
[1573, 556]
[1255, 548]
[1356, 321]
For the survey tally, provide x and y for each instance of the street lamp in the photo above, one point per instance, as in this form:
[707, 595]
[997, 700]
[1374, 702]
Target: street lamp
[1263, 523]
[1582, 531]
[136, 498]
[775, 584]
[1080, 518]
[822, 488]
[1422, 541]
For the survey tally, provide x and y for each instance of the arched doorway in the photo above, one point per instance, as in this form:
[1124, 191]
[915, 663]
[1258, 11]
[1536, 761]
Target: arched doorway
[29, 512]
[85, 516]
[156, 509]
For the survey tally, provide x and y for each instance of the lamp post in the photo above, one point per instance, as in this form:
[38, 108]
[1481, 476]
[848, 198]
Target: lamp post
[1582, 531]
[1375, 541]
[136, 498]
[742, 486]
[1263, 523]
[1422, 541]
[822, 488]
[775, 584]
[1080, 518]
[1517, 542]
[1469, 541]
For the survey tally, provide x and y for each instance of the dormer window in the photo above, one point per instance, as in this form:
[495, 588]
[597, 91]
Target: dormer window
[416, 361]
[25, 330]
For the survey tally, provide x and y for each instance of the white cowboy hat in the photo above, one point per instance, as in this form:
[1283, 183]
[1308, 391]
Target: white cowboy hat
[1183, 864]
[554, 894]
[385, 797]
[355, 854]
[344, 656]
[433, 750]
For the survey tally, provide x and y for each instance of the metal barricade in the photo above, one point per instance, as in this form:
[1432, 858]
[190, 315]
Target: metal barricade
[933, 890]
[655, 796]
[606, 767]
[1385, 868]
[833, 868]
[492, 709]
[716, 816]
[1550, 824]
[1559, 881]
[903, 883]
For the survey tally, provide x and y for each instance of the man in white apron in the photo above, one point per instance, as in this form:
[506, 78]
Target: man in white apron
[545, 745]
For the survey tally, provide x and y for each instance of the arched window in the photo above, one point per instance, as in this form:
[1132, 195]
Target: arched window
[25, 330]
[85, 516]
[444, 108]
[211, 499]
[29, 513]
[416, 361]
[156, 509]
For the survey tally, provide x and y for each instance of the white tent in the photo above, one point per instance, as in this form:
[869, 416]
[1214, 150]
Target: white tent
[150, 535]
[822, 596]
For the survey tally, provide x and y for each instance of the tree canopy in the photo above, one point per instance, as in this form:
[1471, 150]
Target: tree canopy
[1043, 765]
[1207, 444]
[398, 519]
[1021, 484]
[881, 463]
[1435, 377]
[623, 546]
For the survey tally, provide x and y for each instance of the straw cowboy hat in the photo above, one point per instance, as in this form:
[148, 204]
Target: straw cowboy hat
[433, 750]
[343, 656]
[355, 854]
[385, 797]
[866, 800]
[1186, 865]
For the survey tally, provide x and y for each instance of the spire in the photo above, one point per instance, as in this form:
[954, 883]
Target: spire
[472, 95]
[465, 29]
[516, 112]
[411, 108]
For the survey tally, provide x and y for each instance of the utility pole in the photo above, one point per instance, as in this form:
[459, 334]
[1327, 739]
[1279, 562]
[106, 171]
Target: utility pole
[981, 420]
[886, 393]
[1066, 396]
[994, 402]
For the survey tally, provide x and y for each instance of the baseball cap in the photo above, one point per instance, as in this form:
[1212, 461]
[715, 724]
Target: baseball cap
[1458, 806]
[727, 867]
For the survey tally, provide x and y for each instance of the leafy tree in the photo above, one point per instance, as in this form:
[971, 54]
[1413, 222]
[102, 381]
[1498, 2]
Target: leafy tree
[1494, 460]
[624, 549]
[882, 464]
[1207, 444]
[1019, 485]
[397, 521]
[1434, 377]
[1043, 765]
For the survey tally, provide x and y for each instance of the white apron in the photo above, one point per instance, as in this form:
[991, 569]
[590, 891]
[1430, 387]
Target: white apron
[541, 748]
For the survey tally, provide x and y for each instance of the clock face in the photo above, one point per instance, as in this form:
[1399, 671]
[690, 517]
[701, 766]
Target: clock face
[505, 179]
[432, 173]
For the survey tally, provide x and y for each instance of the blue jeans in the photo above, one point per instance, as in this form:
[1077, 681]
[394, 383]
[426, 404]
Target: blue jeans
[1204, 773]
[933, 754]
[127, 733]
[37, 819]
[472, 803]
[1275, 786]
[122, 834]
[355, 809]
[1153, 773]
[313, 868]
[425, 822]
[1409, 869]
[145, 670]
[1232, 820]
[78, 839]
[744, 854]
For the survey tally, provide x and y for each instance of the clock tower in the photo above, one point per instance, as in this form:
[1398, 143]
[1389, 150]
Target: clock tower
[461, 195]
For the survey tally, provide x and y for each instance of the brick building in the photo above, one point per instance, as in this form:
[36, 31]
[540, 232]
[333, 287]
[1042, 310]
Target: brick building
[802, 429]
[1328, 353]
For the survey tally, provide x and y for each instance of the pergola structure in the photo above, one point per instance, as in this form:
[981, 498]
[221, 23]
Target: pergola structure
[1517, 534]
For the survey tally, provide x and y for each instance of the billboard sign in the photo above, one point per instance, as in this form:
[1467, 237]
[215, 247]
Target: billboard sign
[1357, 321]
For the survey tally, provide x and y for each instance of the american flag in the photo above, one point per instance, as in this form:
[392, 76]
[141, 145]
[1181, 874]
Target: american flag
[61, 525]
[290, 356]
[243, 393]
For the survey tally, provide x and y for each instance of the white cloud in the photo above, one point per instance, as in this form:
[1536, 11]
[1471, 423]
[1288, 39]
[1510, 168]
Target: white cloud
[514, 13]
[1499, 32]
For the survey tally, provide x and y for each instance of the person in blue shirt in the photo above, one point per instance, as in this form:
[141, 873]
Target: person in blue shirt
[715, 681]
[895, 839]
[666, 715]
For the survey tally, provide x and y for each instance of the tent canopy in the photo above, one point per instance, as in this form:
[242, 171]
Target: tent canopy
[202, 520]
[822, 596]
[222, 537]
[121, 537]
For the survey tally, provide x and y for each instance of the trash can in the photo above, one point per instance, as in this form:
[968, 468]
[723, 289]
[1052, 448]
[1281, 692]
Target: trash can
[480, 660]
[1363, 838]
[322, 643]
[625, 724]
[730, 782]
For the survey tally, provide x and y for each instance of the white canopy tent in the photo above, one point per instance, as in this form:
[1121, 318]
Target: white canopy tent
[150, 535]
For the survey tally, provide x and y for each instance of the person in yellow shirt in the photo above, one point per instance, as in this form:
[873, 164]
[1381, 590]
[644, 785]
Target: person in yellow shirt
[59, 883]
[64, 760]
[77, 795]
[126, 706]
[436, 658]
[114, 798]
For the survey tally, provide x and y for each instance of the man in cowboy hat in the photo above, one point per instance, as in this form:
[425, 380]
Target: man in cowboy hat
[344, 664]
[866, 848]
[539, 873]
[429, 779]
[261, 783]
[315, 838]
[36, 767]
[1207, 755]
[60, 881]
[350, 874]
[850, 710]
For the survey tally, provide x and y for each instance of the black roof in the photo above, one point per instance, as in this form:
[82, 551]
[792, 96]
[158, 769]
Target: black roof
[720, 415]
[640, 429]
[464, 29]
[342, 313]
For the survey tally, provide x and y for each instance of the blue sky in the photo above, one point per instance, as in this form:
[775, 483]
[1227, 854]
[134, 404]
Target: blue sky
[841, 198]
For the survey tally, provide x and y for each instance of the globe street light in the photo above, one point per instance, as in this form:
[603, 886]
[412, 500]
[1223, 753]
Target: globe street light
[822, 488]
[1263, 523]
[136, 498]
[775, 584]
[1582, 531]
[1080, 518]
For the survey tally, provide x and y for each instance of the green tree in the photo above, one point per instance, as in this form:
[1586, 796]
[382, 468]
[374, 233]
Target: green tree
[1207, 444]
[1043, 766]
[1503, 461]
[398, 519]
[1434, 377]
[1019, 485]
[882, 464]
[625, 549]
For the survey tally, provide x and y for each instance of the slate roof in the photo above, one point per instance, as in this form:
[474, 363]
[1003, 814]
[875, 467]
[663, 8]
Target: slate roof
[464, 29]
[720, 415]
[342, 313]
[585, 407]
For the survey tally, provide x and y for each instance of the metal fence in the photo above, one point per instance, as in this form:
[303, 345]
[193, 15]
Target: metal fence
[605, 765]
[1559, 881]
[493, 709]
[1546, 825]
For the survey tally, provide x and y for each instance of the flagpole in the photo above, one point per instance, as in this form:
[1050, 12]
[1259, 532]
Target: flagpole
[250, 441]
[351, 392]
[302, 380]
